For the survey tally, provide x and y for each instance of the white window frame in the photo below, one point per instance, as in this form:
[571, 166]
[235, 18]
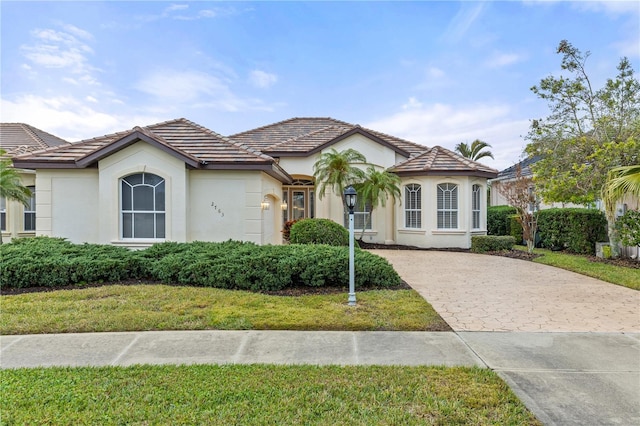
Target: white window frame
[447, 205]
[476, 194]
[360, 216]
[413, 206]
[30, 212]
[155, 212]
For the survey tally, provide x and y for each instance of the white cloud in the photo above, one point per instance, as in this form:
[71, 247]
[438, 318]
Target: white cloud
[182, 86]
[262, 80]
[501, 59]
[447, 125]
[68, 117]
[435, 72]
[462, 22]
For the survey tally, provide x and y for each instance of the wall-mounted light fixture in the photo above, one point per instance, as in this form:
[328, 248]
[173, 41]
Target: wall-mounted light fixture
[284, 206]
[264, 205]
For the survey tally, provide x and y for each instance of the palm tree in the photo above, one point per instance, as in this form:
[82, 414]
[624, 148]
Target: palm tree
[474, 152]
[620, 181]
[376, 188]
[10, 186]
[336, 170]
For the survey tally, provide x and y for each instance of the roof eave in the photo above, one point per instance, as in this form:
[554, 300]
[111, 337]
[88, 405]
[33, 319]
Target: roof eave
[473, 173]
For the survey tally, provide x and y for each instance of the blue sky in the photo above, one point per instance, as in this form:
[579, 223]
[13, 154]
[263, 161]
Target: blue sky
[436, 73]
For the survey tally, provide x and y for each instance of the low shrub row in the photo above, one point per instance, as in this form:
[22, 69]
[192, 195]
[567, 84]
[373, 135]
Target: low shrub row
[485, 243]
[499, 220]
[52, 262]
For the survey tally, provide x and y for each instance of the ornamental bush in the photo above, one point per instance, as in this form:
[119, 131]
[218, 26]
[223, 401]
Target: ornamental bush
[628, 227]
[498, 220]
[485, 243]
[54, 262]
[319, 231]
[574, 229]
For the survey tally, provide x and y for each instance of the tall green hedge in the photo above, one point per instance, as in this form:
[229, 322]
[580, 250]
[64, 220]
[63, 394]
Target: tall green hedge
[498, 220]
[574, 229]
[54, 262]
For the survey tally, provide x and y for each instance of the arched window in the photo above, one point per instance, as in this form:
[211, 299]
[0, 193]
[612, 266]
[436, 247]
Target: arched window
[413, 206]
[447, 206]
[475, 206]
[142, 206]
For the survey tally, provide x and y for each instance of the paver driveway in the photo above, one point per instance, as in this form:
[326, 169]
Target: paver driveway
[475, 292]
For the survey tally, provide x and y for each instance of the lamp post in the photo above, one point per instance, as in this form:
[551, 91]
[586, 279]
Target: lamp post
[350, 198]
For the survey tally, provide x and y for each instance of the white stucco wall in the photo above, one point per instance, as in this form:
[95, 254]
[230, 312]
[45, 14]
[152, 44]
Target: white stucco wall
[227, 205]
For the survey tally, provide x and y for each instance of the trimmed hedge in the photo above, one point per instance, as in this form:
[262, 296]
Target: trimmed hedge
[498, 220]
[54, 262]
[574, 229]
[318, 231]
[484, 243]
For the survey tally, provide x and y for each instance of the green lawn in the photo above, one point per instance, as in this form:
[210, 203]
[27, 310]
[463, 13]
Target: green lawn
[627, 277]
[162, 307]
[259, 395]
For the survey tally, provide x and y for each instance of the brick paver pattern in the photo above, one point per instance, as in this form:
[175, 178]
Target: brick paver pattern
[474, 292]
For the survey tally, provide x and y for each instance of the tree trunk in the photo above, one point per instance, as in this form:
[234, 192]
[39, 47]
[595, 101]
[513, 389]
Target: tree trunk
[614, 241]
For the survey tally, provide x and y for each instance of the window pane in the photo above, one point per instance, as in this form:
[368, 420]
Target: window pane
[134, 179]
[29, 221]
[3, 221]
[298, 205]
[160, 197]
[160, 225]
[127, 225]
[151, 179]
[143, 225]
[126, 196]
[143, 198]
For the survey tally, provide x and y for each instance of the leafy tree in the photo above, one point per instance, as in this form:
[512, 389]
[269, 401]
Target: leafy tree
[589, 131]
[520, 195]
[10, 186]
[376, 187]
[336, 170]
[475, 151]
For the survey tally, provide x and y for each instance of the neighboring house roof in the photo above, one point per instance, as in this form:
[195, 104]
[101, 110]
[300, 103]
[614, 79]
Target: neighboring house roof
[197, 146]
[525, 166]
[18, 138]
[439, 161]
[305, 136]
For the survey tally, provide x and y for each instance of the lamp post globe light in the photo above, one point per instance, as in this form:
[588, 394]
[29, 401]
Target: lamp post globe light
[350, 198]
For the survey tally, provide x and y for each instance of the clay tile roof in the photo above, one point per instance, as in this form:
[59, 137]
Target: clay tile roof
[441, 161]
[19, 138]
[303, 135]
[198, 146]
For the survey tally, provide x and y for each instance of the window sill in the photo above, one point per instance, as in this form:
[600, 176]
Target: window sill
[416, 231]
[448, 232]
[137, 243]
[27, 234]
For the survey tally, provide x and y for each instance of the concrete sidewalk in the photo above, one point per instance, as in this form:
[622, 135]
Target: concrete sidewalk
[221, 347]
[563, 378]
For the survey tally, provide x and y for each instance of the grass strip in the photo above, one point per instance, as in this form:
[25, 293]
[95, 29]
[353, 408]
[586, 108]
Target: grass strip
[162, 307]
[627, 277]
[259, 395]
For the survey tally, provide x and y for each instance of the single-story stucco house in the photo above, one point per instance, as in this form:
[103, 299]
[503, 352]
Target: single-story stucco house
[179, 181]
[17, 220]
